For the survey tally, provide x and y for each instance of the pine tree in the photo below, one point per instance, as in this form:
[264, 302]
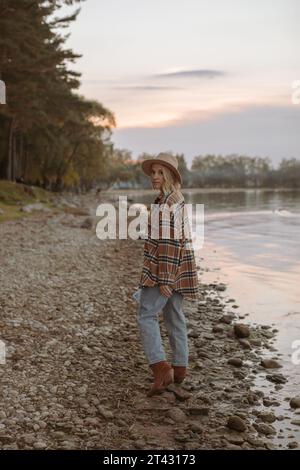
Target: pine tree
[44, 124]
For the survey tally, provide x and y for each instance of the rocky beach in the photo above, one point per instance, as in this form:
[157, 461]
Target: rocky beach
[75, 375]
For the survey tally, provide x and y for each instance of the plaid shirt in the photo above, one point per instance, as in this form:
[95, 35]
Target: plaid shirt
[169, 259]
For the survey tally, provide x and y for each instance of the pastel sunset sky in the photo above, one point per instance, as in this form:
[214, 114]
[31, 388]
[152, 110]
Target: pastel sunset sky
[194, 77]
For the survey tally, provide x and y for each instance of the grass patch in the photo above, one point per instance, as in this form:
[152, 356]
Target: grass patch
[15, 195]
[12, 193]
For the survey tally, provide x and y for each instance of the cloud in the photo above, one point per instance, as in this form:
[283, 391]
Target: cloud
[147, 88]
[198, 73]
[267, 130]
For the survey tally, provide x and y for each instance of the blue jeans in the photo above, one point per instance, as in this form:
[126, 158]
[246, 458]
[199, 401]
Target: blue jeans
[151, 304]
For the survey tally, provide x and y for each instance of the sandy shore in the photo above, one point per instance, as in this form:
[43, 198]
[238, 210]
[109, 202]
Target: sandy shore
[75, 374]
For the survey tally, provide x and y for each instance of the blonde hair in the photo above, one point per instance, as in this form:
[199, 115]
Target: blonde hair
[170, 182]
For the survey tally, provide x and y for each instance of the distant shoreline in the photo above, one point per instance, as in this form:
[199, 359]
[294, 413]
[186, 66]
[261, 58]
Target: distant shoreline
[196, 190]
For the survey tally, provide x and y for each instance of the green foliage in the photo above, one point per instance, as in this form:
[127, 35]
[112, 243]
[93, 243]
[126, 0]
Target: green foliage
[49, 135]
[230, 171]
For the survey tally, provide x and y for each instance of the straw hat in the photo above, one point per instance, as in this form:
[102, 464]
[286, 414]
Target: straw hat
[167, 160]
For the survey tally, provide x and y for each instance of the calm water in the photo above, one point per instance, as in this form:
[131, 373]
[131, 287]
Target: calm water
[252, 243]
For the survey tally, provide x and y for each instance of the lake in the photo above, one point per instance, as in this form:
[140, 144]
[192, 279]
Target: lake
[252, 243]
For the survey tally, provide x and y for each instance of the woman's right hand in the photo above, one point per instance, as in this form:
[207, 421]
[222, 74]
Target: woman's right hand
[165, 290]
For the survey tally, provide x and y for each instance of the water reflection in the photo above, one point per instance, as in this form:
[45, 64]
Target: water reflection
[251, 242]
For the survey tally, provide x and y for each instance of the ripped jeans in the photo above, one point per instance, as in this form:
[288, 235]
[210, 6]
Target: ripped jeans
[151, 304]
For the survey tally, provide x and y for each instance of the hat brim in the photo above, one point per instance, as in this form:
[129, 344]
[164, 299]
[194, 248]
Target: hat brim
[146, 167]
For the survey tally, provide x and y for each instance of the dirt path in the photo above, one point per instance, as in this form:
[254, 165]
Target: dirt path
[75, 374]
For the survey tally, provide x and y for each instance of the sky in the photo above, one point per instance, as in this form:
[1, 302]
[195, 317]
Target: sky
[194, 77]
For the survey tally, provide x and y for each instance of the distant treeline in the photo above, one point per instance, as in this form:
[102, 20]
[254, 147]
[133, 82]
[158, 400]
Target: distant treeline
[206, 171]
[53, 137]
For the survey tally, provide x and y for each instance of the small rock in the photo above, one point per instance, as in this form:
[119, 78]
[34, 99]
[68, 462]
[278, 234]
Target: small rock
[236, 423]
[82, 390]
[276, 378]
[255, 342]
[293, 445]
[182, 438]
[266, 429]
[193, 334]
[28, 439]
[241, 331]
[256, 442]
[87, 223]
[218, 329]
[39, 445]
[176, 414]
[6, 439]
[221, 287]
[270, 446]
[105, 413]
[235, 361]
[179, 392]
[267, 334]
[91, 421]
[296, 422]
[270, 364]
[38, 206]
[295, 402]
[199, 411]
[245, 343]
[267, 417]
[58, 435]
[267, 402]
[140, 444]
[237, 440]
[195, 427]
[226, 319]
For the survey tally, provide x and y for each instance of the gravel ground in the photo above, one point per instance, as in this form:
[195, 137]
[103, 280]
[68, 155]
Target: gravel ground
[75, 375]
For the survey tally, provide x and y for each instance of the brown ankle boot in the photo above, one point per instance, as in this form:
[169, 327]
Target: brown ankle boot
[180, 373]
[163, 375]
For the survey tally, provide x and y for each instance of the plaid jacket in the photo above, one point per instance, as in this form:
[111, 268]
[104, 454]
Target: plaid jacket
[168, 255]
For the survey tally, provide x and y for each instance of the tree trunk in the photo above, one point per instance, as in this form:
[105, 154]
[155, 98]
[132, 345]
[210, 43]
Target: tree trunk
[14, 157]
[11, 151]
[21, 158]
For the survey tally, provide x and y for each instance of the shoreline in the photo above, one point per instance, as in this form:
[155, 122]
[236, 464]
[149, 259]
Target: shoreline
[76, 376]
[136, 191]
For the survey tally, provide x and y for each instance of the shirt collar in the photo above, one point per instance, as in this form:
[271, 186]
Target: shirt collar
[162, 197]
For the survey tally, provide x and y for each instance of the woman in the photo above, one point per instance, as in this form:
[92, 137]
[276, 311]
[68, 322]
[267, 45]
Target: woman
[168, 276]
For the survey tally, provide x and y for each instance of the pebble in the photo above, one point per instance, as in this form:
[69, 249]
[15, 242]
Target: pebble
[276, 378]
[293, 445]
[236, 423]
[199, 411]
[295, 402]
[235, 361]
[267, 417]
[177, 415]
[105, 413]
[39, 445]
[270, 364]
[241, 331]
[245, 344]
[266, 429]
